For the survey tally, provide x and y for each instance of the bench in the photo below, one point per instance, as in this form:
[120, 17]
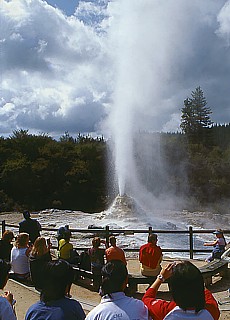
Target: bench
[78, 272]
[135, 279]
[217, 266]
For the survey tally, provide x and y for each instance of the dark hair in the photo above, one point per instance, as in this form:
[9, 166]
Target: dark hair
[152, 237]
[114, 274]
[57, 275]
[4, 270]
[8, 235]
[112, 240]
[187, 286]
[26, 214]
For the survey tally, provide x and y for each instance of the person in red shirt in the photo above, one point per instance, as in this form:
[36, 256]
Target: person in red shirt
[150, 257]
[114, 252]
[190, 299]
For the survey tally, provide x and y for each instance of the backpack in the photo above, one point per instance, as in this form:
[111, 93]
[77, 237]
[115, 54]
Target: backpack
[85, 261]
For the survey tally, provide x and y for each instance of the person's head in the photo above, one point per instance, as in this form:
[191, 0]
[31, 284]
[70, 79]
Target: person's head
[187, 286]
[58, 274]
[8, 236]
[152, 238]
[4, 271]
[39, 247]
[219, 233]
[114, 277]
[26, 214]
[67, 234]
[96, 242]
[112, 241]
[22, 240]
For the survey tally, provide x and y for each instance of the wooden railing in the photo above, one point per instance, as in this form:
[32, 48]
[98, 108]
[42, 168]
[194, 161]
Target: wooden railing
[106, 232]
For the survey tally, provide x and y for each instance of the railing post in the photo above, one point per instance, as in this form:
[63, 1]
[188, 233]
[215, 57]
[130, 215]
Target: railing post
[191, 242]
[3, 226]
[107, 235]
[150, 230]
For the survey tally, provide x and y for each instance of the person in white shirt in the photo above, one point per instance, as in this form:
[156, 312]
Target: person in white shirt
[20, 257]
[114, 303]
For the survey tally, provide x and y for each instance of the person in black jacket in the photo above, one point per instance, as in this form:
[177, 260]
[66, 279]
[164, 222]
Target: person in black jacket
[6, 245]
[30, 226]
[38, 259]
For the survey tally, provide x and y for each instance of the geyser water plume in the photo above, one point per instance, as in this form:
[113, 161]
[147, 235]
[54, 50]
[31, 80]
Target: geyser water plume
[157, 57]
[136, 88]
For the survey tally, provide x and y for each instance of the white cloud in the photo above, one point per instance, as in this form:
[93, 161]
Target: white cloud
[66, 73]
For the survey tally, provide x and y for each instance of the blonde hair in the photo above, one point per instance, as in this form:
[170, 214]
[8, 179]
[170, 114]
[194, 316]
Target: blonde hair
[39, 247]
[22, 240]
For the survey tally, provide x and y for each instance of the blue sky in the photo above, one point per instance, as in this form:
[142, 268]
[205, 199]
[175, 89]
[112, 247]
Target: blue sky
[105, 66]
[67, 6]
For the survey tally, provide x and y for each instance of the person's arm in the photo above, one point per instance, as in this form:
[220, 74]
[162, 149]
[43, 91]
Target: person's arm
[211, 305]
[8, 310]
[158, 308]
[210, 244]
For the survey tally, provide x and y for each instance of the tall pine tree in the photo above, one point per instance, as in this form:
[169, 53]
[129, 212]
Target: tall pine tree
[195, 118]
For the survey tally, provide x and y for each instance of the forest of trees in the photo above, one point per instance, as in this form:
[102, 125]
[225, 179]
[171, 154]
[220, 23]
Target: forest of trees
[39, 172]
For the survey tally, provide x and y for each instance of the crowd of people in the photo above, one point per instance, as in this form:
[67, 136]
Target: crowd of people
[29, 260]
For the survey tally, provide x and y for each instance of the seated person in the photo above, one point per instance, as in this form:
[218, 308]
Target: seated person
[53, 304]
[20, 257]
[219, 245]
[65, 248]
[150, 257]
[6, 245]
[190, 299]
[38, 258]
[6, 297]
[114, 252]
[114, 302]
[97, 261]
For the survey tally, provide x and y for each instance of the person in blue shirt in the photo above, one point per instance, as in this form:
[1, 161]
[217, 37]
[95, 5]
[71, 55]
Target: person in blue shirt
[53, 304]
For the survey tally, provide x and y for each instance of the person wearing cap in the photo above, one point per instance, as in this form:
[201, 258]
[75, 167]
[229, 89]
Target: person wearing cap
[219, 245]
[30, 226]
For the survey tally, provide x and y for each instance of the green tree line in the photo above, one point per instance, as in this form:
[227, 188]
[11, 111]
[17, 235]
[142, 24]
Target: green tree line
[39, 172]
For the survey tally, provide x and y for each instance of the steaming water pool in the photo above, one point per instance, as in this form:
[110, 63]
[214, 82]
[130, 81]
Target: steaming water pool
[123, 215]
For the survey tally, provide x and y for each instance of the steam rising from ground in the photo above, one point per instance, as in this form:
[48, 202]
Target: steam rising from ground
[154, 48]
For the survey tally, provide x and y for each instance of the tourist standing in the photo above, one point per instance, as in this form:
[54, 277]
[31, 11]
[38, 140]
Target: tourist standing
[114, 303]
[30, 226]
[150, 257]
[114, 252]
